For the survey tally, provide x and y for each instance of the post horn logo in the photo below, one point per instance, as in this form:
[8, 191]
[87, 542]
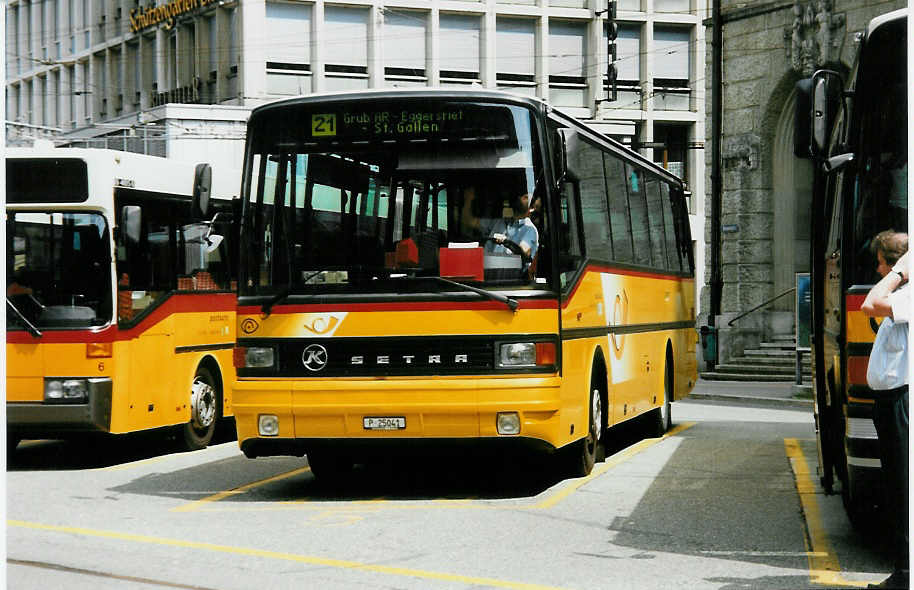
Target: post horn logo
[620, 317]
[322, 325]
[249, 326]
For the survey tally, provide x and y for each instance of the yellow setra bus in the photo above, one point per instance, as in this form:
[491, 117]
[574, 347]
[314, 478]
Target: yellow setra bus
[427, 267]
[120, 313]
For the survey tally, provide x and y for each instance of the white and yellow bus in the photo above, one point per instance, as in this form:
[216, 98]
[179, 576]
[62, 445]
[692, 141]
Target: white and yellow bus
[120, 312]
[393, 298]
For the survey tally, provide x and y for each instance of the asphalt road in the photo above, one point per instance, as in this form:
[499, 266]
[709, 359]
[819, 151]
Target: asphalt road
[728, 499]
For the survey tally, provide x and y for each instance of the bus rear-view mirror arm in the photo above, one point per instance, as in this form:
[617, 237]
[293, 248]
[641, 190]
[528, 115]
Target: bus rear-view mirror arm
[838, 162]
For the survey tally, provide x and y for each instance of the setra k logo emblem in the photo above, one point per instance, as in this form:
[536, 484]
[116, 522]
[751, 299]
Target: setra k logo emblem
[314, 357]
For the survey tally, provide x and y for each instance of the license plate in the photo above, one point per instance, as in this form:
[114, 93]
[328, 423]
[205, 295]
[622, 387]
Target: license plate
[384, 423]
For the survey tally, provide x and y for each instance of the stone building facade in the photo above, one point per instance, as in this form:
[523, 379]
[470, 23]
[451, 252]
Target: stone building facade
[765, 191]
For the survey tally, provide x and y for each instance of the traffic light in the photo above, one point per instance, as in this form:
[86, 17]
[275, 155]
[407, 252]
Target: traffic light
[612, 31]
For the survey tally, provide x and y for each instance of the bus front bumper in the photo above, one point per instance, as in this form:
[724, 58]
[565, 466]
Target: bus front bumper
[428, 412]
[48, 419]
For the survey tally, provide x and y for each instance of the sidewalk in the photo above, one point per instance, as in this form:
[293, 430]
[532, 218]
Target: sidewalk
[757, 391]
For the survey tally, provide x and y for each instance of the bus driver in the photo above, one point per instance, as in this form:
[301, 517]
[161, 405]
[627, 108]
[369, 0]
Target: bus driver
[516, 226]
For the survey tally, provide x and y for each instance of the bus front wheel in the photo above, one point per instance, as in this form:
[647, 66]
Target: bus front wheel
[583, 454]
[204, 411]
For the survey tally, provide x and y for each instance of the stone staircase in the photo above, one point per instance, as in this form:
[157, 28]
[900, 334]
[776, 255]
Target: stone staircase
[773, 361]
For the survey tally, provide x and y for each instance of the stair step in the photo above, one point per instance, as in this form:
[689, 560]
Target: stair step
[784, 337]
[777, 345]
[715, 376]
[777, 361]
[770, 352]
[758, 369]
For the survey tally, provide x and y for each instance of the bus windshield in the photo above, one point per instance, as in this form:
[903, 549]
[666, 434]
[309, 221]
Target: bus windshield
[362, 196]
[58, 270]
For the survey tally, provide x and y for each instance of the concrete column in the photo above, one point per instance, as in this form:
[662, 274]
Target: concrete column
[488, 46]
[252, 66]
[433, 48]
[317, 51]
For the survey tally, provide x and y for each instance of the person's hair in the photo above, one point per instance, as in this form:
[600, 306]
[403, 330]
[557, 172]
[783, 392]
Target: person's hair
[891, 243]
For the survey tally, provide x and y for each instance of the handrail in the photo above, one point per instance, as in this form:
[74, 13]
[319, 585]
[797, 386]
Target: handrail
[761, 305]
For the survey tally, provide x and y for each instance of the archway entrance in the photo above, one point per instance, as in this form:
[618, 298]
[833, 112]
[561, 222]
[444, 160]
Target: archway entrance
[791, 200]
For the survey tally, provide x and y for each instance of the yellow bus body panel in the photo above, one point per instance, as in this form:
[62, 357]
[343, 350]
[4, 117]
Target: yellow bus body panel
[151, 367]
[651, 312]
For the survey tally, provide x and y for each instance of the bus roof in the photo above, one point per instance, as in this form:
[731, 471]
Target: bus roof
[419, 93]
[498, 96]
[136, 171]
[882, 19]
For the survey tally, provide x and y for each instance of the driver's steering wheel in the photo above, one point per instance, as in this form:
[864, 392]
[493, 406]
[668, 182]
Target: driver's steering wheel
[513, 247]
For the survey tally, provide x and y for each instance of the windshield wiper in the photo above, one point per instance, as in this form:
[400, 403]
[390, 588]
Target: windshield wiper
[266, 307]
[511, 303]
[28, 325]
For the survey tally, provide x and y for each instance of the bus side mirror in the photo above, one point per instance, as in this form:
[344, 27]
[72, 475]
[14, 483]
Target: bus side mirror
[824, 108]
[132, 223]
[203, 182]
[559, 156]
[569, 147]
[802, 119]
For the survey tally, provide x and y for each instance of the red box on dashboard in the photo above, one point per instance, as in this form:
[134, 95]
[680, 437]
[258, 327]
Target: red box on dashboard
[463, 263]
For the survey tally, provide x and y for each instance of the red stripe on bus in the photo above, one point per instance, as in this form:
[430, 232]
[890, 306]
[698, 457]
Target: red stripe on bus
[619, 271]
[401, 306]
[855, 302]
[210, 303]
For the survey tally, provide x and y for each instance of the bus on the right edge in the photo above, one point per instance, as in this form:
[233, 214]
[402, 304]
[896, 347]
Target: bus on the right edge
[855, 133]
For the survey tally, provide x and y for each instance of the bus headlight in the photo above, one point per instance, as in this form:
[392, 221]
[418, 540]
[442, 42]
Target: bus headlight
[60, 390]
[517, 354]
[254, 357]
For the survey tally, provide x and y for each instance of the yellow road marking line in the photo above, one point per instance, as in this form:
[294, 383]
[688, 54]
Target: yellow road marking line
[239, 490]
[823, 562]
[278, 555]
[611, 462]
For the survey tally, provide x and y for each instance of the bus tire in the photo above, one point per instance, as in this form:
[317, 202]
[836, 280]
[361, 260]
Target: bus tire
[204, 411]
[12, 441]
[329, 466]
[583, 453]
[663, 418]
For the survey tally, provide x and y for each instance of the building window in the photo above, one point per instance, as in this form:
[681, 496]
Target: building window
[671, 6]
[346, 46]
[515, 55]
[628, 67]
[403, 40]
[101, 84]
[460, 61]
[12, 42]
[289, 53]
[671, 68]
[674, 155]
[567, 51]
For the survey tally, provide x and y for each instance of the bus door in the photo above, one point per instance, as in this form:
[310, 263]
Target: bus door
[145, 284]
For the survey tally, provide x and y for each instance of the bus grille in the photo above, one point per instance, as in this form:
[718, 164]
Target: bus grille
[355, 357]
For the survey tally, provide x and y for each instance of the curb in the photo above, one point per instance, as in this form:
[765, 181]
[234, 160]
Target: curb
[777, 401]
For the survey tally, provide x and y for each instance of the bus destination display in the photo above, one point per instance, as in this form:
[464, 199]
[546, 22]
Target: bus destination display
[385, 123]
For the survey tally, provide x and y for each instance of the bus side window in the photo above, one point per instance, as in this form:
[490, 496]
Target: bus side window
[570, 252]
[619, 219]
[588, 166]
[637, 204]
